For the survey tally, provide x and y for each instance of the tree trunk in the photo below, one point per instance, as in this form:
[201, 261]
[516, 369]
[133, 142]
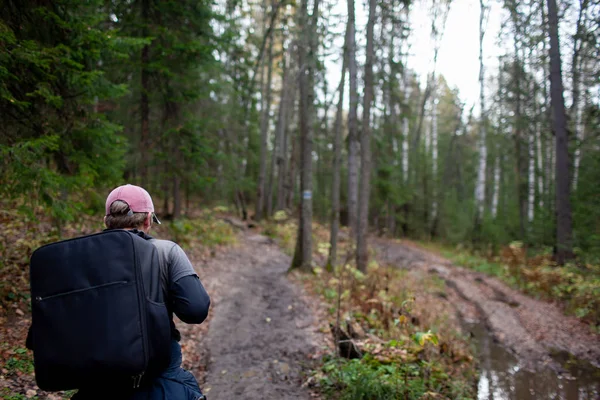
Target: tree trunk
[144, 103]
[264, 136]
[481, 172]
[176, 197]
[496, 194]
[531, 178]
[564, 245]
[578, 105]
[518, 132]
[434, 159]
[282, 192]
[353, 146]
[579, 135]
[291, 187]
[307, 54]
[419, 127]
[405, 131]
[362, 250]
[540, 166]
[405, 124]
[428, 124]
[277, 159]
[337, 164]
[165, 189]
[538, 147]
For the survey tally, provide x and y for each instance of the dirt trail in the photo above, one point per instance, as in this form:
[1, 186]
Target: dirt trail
[261, 330]
[532, 329]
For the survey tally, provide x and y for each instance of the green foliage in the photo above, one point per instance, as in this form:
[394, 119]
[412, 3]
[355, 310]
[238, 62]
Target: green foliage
[22, 361]
[208, 230]
[53, 140]
[180, 77]
[7, 394]
[416, 354]
[421, 338]
[284, 233]
[368, 378]
[586, 212]
[577, 287]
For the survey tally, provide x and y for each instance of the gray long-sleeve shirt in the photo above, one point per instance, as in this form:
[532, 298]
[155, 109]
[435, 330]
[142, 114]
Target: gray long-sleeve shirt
[184, 294]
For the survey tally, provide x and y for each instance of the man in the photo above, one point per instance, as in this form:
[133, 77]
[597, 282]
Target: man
[130, 207]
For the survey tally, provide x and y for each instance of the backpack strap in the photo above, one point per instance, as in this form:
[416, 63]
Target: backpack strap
[163, 260]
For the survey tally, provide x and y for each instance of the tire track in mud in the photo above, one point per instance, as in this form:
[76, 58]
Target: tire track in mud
[261, 333]
[530, 328]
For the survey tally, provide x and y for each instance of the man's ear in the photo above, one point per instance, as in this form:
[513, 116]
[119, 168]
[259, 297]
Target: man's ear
[148, 221]
[104, 221]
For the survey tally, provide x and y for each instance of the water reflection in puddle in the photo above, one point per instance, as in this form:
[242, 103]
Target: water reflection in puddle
[502, 379]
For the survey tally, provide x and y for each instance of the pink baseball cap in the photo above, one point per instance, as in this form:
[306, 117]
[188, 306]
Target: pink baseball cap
[136, 197]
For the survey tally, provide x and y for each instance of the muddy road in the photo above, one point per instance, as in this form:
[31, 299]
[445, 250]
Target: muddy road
[261, 332]
[526, 347]
[532, 329]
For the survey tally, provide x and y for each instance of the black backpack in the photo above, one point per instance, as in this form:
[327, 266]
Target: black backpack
[98, 314]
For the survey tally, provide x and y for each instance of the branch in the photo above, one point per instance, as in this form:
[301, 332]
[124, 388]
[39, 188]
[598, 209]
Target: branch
[263, 44]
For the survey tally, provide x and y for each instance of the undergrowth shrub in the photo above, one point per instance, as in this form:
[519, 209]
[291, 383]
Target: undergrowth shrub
[283, 232]
[411, 348]
[368, 378]
[206, 229]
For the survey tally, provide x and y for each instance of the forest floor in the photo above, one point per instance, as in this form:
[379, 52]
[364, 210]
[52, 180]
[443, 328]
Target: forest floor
[536, 331]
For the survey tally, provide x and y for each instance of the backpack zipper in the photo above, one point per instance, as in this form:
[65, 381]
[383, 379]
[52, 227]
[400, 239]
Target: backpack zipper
[141, 305]
[40, 298]
[137, 379]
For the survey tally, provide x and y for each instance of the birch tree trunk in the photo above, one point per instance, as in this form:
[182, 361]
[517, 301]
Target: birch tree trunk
[531, 178]
[427, 119]
[580, 135]
[539, 154]
[405, 125]
[480, 186]
[362, 251]
[496, 195]
[564, 244]
[578, 105]
[434, 157]
[497, 162]
[353, 146]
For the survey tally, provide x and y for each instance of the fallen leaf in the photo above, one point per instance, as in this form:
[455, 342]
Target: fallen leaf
[285, 368]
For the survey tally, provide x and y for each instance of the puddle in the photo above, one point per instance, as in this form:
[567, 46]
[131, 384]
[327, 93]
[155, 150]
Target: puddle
[501, 377]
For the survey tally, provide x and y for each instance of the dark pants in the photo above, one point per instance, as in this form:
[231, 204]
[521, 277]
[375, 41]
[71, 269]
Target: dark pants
[175, 383]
